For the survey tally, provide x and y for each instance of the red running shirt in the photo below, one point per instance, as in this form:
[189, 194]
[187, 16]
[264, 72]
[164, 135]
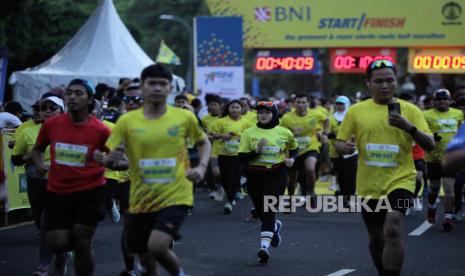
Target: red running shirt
[72, 167]
[418, 153]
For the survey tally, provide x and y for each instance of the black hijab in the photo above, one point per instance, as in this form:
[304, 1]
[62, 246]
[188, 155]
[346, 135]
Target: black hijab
[274, 110]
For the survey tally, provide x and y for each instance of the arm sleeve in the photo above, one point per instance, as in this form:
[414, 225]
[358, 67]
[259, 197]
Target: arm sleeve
[246, 157]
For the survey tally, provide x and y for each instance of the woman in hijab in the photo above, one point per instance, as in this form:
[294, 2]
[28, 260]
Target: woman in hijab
[267, 149]
[345, 166]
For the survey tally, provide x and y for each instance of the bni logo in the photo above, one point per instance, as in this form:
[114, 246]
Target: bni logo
[283, 13]
[262, 14]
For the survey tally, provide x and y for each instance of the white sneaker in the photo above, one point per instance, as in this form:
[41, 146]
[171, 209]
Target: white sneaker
[114, 213]
[219, 194]
[334, 186]
[213, 194]
[417, 205]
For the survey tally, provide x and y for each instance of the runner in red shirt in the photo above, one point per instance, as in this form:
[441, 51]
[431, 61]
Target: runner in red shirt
[75, 190]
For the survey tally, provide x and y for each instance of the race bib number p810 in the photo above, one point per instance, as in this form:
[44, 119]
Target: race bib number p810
[381, 155]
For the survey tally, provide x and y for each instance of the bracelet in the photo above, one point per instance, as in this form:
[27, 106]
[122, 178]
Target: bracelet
[203, 165]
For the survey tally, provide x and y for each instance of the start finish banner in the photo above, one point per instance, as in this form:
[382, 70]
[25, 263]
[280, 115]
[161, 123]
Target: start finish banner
[354, 23]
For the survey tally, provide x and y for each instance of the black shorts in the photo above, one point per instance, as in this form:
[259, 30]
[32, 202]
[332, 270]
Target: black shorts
[123, 195]
[167, 220]
[84, 208]
[300, 160]
[420, 165]
[434, 171]
[400, 200]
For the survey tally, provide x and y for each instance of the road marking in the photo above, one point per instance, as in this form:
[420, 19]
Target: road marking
[421, 229]
[341, 272]
[16, 226]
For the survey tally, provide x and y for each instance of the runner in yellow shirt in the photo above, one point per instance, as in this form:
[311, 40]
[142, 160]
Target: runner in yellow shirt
[37, 183]
[228, 131]
[443, 122]
[154, 140]
[384, 130]
[247, 111]
[208, 121]
[267, 149]
[304, 123]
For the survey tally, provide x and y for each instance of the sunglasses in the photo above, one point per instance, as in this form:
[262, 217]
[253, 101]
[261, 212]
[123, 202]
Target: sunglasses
[380, 63]
[50, 107]
[265, 104]
[135, 99]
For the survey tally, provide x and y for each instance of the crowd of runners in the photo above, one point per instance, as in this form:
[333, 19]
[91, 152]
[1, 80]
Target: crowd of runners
[91, 151]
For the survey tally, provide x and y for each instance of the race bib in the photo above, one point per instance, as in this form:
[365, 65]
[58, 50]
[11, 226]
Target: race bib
[447, 125]
[70, 155]
[303, 141]
[269, 155]
[161, 171]
[232, 146]
[381, 155]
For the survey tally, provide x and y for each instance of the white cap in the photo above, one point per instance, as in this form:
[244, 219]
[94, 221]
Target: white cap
[56, 101]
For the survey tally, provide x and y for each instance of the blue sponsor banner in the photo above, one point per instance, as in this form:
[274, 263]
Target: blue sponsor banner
[219, 62]
[219, 41]
[3, 67]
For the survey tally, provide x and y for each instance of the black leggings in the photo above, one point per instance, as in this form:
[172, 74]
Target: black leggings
[111, 186]
[230, 169]
[346, 171]
[269, 183]
[37, 194]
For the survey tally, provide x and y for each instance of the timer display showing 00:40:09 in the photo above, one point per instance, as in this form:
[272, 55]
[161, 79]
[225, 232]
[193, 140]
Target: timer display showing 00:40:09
[284, 63]
[439, 62]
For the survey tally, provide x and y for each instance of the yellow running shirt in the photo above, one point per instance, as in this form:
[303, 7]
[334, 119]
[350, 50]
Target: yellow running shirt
[280, 141]
[445, 124]
[25, 141]
[158, 157]
[385, 160]
[305, 128]
[23, 126]
[208, 122]
[111, 174]
[227, 125]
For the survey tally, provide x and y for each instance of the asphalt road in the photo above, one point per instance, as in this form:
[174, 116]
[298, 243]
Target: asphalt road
[216, 244]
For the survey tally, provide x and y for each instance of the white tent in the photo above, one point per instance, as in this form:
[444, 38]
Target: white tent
[103, 50]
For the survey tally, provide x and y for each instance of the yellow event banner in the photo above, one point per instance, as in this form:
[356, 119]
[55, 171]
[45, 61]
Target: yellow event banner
[436, 60]
[16, 183]
[344, 23]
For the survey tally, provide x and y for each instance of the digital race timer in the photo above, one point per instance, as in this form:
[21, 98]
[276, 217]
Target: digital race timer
[356, 60]
[285, 61]
[436, 60]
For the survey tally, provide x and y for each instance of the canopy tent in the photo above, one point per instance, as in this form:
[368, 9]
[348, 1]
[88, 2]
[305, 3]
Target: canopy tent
[103, 50]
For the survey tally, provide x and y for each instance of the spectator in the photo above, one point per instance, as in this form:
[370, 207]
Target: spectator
[11, 117]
